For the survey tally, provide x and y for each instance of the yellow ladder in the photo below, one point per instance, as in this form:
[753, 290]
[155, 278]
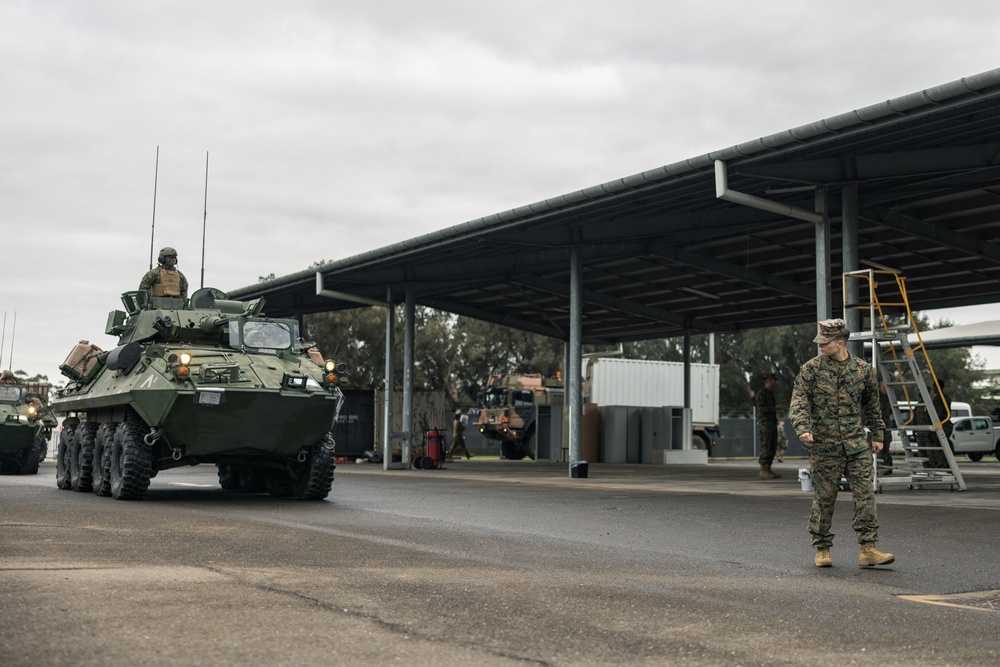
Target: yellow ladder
[890, 324]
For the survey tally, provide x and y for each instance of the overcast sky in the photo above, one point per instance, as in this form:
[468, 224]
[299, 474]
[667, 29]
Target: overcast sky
[335, 128]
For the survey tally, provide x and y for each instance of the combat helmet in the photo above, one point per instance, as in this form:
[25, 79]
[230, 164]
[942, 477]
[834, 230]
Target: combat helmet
[162, 257]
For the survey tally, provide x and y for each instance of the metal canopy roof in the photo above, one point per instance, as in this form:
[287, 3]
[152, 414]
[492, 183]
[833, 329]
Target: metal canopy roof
[661, 254]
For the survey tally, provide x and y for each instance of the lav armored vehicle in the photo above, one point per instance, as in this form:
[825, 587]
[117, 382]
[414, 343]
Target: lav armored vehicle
[199, 380]
[25, 427]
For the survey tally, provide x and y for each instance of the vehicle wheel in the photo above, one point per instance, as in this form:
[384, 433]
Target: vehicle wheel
[81, 467]
[28, 460]
[103, 445]
[228, 479]
[316, 480]
[512, 451]
[131, 462]
[251, 479]
[975, 456]
[63, 456]
[700, 441]
[996, 452]
[43, 447]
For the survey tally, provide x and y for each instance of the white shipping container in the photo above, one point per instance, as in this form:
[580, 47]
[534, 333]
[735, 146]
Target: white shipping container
[653, 384]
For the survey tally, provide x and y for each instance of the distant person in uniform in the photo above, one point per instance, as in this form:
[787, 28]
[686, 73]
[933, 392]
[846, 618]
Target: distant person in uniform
[458, 436]
[166, 279]
[7, 377]
[767, 426]
[834, 398]
[779, 453]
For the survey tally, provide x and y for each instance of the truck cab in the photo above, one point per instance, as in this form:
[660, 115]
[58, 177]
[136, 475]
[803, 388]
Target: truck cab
[972, 435]
[975, 437]
[508, 411]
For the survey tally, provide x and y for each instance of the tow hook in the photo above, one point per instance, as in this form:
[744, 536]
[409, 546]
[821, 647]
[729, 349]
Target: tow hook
[151, 437]
[303, 454]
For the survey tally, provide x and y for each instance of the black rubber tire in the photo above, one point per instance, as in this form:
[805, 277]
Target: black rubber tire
[28, 464]
[101, 482]
[228, 478]
[316, 480]
[63, 456]
[512, 451]
[81, 468]
[43, 445]
[131, 462]
[975, 456]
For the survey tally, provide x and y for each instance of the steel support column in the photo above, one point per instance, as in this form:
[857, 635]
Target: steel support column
[390, 364]
[851, 259]
[824, 307]
[574, 383]
[407, 425]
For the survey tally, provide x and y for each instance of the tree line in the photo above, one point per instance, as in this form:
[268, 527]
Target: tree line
[456, 354]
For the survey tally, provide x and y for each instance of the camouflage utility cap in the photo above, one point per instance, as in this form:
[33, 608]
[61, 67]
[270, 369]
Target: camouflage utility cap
[830, 330]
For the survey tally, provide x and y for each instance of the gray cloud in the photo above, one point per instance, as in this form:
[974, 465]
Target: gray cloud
[337, 128]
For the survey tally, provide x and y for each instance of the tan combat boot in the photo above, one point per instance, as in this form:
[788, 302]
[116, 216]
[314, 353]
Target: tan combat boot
[823, 557]
[767, 473]
[871, 556]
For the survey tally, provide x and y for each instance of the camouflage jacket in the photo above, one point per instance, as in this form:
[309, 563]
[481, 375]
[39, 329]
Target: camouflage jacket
[835, 402]
[767, 411]
[152, 277]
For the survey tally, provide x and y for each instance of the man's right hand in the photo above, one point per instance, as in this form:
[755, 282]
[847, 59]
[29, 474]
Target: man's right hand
[806, 438]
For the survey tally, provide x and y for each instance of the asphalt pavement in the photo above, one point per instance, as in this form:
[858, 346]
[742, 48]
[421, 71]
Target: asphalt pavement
[495, 563]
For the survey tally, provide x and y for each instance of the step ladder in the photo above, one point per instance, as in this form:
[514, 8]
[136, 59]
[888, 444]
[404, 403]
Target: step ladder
[911, 385]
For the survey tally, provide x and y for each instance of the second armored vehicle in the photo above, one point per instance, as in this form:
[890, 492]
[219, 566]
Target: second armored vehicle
[25, 427]
[205, 380]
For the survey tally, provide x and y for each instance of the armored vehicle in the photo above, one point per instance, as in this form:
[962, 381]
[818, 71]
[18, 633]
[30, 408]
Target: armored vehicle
[508, 411]
[25, 427]
[199, 380]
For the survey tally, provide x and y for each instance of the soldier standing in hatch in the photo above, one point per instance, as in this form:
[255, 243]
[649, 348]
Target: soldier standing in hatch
[166, 279]
[835, 395]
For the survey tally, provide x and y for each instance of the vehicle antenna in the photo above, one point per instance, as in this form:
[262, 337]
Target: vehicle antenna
[204, 221]
[3, 337]
[152, 233]
[10, 357]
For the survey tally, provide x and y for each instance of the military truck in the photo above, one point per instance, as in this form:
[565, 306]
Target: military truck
[25, 425]
[199, 380]
[508, 411]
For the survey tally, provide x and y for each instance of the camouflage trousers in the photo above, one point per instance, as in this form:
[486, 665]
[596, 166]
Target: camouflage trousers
[827, 467]
[767, 439]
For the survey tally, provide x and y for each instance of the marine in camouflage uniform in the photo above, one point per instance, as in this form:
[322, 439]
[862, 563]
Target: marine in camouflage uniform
[166, 279]
[767, 426]
[834, 397]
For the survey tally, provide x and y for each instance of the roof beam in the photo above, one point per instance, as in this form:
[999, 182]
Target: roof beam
[624, 306]
[733, 271]
[942, 235]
